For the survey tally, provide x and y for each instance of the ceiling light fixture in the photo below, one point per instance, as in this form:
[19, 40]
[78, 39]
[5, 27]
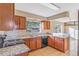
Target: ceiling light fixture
[51, 6]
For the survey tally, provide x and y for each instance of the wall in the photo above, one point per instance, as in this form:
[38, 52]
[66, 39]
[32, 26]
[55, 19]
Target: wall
[39, 18]
[28, 15]
[15, 34]
[73, 14]
[60, 15]
[73, 24]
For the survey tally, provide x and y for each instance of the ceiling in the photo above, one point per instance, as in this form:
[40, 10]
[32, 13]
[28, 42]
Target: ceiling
[64, 19]
[39, 9]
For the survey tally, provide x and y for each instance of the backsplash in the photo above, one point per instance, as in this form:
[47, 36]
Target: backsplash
[1, 32]
[15, 34]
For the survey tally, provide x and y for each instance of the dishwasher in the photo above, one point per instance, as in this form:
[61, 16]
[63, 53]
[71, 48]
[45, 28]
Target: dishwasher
[44, 41]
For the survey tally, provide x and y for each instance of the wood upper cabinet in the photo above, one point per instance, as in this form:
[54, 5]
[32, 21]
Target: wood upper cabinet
[6, 16]
[39, 42]
[0, 22]
[20, 22]
[17, 22]
[46, 24]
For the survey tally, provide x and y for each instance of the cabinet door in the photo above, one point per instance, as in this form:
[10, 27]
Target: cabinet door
[39, 42]
[53, 42]
[17, 22]
[49, 41]
[22, 22]
[0, 22]
[7, 16]
[32, 43]
[56, 42]
[1, 16]
[66, 44]
[46, 24]
[60, 44]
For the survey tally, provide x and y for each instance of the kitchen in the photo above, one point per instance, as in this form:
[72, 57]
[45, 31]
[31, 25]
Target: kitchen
[22, 33]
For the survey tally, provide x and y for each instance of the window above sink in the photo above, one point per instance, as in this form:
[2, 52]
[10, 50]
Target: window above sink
[33, 26]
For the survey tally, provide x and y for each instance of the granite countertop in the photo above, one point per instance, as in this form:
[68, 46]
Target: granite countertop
[60, 35]
[14, 50]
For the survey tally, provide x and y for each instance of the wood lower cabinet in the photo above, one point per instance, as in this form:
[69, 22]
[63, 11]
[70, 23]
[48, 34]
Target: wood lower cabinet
[51, 41]
[23, 54]
[66, 44]
[34, 43]
[27, 42]
[39, 42]
[61, 44]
